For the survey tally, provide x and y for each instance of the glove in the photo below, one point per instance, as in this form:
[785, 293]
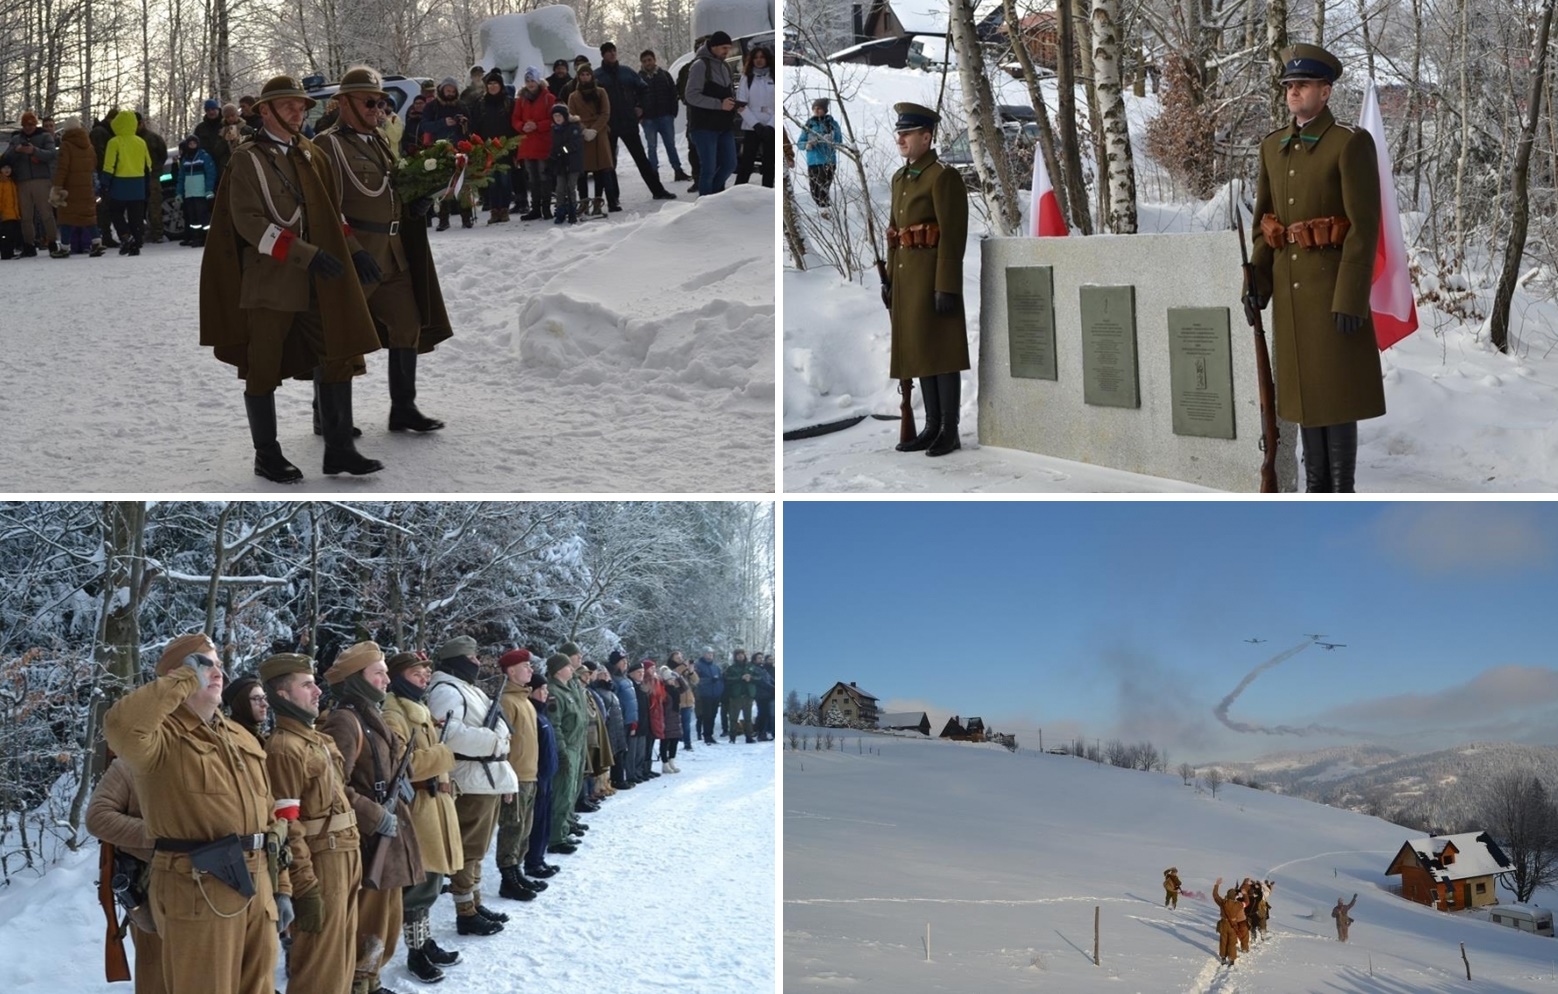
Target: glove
[284, 912]
[420, 207]
[632, 728]
[368, 271]
[58, 196]
[887, 295]
[310, 911]
[202, 667]
[1254, 303]
[1348, 324]
[589, 134]
[326, 266]
[946, 303]
[388, 826]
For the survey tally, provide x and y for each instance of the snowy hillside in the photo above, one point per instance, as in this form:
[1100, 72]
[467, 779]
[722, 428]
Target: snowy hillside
[673, 891]
[1461, 417]
[633, 353]
[1006, 857]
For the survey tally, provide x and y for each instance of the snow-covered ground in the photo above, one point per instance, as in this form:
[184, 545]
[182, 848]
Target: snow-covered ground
[1006, 856]
[673, 891]
[628, 354]
[1461, 417]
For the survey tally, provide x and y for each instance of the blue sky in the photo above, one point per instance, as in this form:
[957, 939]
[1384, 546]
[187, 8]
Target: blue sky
[1127, 618]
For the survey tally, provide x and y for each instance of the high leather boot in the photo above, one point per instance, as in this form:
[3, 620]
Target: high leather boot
[319, 428]
[467, 217]
[268, 460]
[1341, 445]
[335, 408]
[546, 208]
[404, 415]
[443, 215]
[1317, 460]
[932, 401]
[950, 388]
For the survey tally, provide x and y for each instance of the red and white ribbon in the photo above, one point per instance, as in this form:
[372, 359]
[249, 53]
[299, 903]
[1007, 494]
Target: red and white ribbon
[457, 181]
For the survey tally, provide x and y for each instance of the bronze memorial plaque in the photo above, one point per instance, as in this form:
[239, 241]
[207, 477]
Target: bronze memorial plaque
[1109, 346]
[1030, 321]
[1201, 371]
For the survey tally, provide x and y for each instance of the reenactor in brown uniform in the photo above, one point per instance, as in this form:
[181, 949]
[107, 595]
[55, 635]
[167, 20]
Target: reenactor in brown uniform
[1343, 915]
[281, 284]
[372, 753]
[326, 870]
[1317, 218]
[924, 293]
[210, 893]
[114, 816]
[516, 816]
[406, 302]
[433, 811]
[1171, 887]
[1231, 926]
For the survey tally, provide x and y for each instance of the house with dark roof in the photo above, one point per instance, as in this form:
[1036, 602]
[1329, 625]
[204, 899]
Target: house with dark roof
[906, 721]
[1450, 872]
[855, 706]
[958, 730]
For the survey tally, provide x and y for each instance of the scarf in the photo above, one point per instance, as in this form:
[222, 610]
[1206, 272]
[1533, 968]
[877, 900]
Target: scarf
[461, 667]
[404, 688]
[356, 689]
[283, 708]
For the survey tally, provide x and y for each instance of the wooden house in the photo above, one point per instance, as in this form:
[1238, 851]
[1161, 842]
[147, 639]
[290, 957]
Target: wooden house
[855, 705]
[906, 721]
[1450, 872]
[958, 730]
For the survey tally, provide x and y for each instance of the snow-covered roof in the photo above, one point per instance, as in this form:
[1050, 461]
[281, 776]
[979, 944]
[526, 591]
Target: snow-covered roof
[854, 691]
[1476, 855]
[927, 17]
[901, 719]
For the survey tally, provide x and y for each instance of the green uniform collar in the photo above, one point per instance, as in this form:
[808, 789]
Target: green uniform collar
[924, 162]
[1309, 135]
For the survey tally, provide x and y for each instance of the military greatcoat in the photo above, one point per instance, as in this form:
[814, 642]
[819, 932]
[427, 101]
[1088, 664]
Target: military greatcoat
[1326, 169]
[926, 343]
[438, 826]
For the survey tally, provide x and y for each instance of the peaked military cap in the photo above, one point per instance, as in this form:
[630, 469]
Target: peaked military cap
[280, 87]
[362, 79]
[1309, 62]
[913, 117]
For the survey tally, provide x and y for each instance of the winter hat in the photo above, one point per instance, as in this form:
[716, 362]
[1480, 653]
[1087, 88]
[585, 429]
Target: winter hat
[633, 667]
[400, 662]
[477, 70]
[570, 649]
[184, 645]
[448, 81]
[617, 655]
[70, 122]
[353, 659]
[665, 673]
[213, 105]
[229, 109]
[532, 73]
[555, 663]
[493, 77]
[560, 62]
[719, 38]
[537, 680]
[821, 103]
[462, 645]
[560, 109]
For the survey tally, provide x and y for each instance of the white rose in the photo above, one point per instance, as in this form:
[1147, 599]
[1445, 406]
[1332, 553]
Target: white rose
[429, 164]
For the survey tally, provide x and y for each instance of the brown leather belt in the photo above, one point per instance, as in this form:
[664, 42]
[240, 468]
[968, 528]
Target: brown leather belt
[925, 235]
[377, 228]
[1316, 233]
[436, 787]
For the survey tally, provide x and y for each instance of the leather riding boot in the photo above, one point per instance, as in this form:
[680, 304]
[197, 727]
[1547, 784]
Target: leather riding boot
[335, 408]
[404, 415]
[1341, 445]
[1317, 465]
[950, 388]
[319, 428]
[443, 215]
[932, 402]
[268, 460]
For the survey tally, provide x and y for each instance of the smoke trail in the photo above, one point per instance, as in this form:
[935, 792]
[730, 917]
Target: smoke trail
[1221, 710]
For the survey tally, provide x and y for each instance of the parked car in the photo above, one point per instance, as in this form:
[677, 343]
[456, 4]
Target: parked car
[1021, 128]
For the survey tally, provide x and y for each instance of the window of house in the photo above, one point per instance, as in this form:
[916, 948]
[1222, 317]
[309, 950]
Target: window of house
[1448, 858]
[1449, 897]
[1482, 888]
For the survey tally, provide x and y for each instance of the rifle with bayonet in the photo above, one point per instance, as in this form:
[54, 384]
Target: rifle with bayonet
[1268, 408]
[906, 429]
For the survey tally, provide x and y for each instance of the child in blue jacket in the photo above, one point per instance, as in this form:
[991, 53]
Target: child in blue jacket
[196, 186]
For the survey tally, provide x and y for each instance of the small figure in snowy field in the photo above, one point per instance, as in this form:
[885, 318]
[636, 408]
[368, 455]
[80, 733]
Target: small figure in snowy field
[924, 292]
[820, 137]
[1232, 925]
[1317, 216]
[1343, 917]
[567, 159]
[1171, 887]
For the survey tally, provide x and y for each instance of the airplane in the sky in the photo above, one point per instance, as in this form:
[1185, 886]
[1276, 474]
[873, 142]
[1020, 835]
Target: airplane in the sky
[1312, 635]
[1332, 645]
[1254, 641]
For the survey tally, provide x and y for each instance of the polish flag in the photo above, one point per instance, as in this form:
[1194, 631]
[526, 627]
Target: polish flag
[1390, 299]
[1043, 208]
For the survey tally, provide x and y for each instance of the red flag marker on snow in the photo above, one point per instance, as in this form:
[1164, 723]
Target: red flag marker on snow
[1390, 299]
[1043, 208]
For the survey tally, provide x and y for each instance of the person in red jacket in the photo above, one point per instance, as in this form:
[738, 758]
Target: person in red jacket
[533, 123]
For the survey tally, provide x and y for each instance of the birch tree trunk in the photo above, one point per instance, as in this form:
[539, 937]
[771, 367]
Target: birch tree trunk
[986, 143]
[1465, 121]
[1515, 248]
[1066, 111]
[1081, 23]
[1276, 41]
[1320, 22]
[1120, 217]
[1041, 115]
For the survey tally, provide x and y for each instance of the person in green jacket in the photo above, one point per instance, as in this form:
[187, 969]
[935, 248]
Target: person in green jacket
[127, 168]
[741, 683]
[569, 724]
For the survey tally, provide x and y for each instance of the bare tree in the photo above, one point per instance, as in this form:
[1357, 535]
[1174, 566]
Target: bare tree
[1187, 773]
[986, 142]
[1115, 132]
[1214, 779]
[1520, 814]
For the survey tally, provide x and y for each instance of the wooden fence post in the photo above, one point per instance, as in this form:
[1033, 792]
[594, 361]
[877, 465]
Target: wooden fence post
[1466, 961]
[1095, 935]
[927, 942]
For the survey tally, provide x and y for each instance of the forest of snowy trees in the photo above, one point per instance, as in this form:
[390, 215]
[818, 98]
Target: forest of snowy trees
[90, 592]
[65, 57]
[1464, 87]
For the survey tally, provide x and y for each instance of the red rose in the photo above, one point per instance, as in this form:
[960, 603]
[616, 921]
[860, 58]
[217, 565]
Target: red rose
[463, 146]
[475, 137]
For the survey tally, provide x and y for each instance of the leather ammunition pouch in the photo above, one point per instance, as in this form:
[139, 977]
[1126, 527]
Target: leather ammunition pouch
[926, 235]
[1316, 233]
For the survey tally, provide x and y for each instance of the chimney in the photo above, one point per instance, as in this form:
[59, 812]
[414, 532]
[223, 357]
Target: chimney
[852, 684]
